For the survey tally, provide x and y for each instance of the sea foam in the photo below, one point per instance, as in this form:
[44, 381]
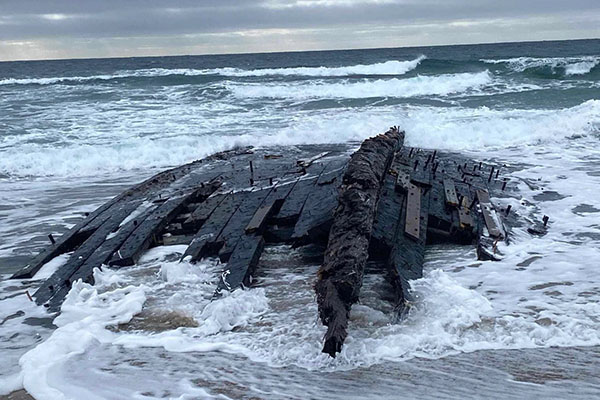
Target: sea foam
[400, 88]
[569, 65]
[456, 128]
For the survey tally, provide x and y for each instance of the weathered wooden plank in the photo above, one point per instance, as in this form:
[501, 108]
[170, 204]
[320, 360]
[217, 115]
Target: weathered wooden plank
[280, 193]
[483, 196]
[270, 207]
[242, 263]
[199, 215]
[389, 208]
[211, 229]
[99, 257]
[234, 228]
[65, 243]
[408, 254]
[142, 237]
[259, 219]
[464, 214]
[95, 224]
[61, 276]
[489, 214]
[421, 173]
[111, 244]
[450, 192]
[442, 219]
[292, 207]
[403, 180]
[317, 215]
[413, 212]
[317, 212]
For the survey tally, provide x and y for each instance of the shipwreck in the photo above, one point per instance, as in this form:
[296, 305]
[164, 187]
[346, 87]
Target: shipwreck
[383, 201]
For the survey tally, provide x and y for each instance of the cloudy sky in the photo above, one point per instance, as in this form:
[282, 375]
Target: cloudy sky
[43, 29]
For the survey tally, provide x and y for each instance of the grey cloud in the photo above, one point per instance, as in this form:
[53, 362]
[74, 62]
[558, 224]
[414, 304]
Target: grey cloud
[57, 22]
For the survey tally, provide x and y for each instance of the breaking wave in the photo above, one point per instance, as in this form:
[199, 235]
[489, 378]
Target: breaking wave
[568, 66]
[54, 80]
[401, 88]
[145, 73]
[392, 67]
[431, 127]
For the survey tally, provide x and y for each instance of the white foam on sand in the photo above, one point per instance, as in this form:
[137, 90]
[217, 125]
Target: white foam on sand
[16, 336]
[85, 315]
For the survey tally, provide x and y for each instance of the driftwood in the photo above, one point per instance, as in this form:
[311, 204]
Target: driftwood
[340, 277]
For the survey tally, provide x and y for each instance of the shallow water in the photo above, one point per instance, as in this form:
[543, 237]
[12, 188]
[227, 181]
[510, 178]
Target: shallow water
[75, 133]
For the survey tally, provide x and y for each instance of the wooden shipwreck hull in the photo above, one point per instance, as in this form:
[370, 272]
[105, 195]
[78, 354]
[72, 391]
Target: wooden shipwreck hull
[385, 201]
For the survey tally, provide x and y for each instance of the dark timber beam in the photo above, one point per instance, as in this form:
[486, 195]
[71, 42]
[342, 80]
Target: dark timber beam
[340, 277]
[144, 234]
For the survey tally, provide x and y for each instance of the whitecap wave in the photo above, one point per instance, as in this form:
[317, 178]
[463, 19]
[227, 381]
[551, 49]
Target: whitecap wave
[455, 128]
[141, 73]
[569, 65]
[54, 80]
[438, 85]
[581, 68]
[391, 67]
[482, 128]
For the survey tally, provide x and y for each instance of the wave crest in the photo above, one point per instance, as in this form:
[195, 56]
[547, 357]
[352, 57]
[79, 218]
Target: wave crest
[392, 67]
[401, 88]
[568, 65]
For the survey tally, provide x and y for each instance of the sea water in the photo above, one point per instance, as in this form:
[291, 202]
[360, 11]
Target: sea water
[74, 133]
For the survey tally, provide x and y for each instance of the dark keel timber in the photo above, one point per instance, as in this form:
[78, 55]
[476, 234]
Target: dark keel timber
[383, 203]
[340, 277]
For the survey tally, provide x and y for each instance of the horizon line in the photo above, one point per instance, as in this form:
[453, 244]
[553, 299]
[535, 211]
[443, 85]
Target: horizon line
[294, 51]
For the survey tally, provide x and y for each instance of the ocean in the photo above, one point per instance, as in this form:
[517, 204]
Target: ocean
[74, 133]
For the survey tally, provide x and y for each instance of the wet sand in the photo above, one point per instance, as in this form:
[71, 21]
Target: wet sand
[18, 395]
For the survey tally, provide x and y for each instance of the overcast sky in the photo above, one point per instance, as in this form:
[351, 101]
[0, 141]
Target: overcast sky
[42, 29]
